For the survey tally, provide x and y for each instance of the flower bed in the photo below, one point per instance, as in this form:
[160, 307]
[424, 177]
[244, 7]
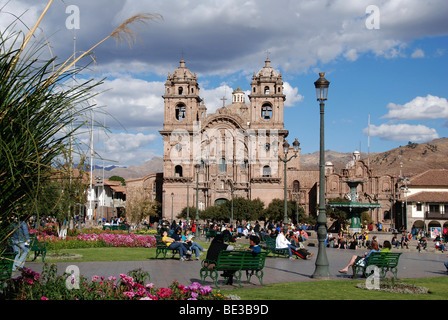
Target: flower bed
[48, 286]
[98, 239]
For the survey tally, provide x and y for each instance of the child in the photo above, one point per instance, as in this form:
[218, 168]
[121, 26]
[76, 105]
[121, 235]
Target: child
[254, 247]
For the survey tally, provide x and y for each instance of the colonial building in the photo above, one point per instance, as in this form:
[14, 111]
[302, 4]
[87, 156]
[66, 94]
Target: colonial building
[424, 198]
[235, 149]
[372, 189]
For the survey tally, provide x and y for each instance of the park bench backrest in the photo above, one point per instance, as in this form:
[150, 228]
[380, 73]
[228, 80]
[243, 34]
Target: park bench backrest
[246, 260]
[159, 241]
[384, 259]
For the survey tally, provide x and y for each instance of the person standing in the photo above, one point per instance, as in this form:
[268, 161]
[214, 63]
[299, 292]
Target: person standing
[20, 243]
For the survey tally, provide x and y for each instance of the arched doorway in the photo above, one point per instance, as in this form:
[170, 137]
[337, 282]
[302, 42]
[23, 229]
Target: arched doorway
[220, 201]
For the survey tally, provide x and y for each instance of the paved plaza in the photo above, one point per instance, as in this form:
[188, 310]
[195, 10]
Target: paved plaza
[277, 270]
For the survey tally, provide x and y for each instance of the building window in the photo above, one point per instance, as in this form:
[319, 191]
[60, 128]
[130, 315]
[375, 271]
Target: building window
[222, 165]
[266, 90]
[435, 208]
[267, 147]
[266, 171]
[180, 90]
[180, 112]
[178, 171]
[295, 186]
[244, 164]
[419, 207]
[266, 112]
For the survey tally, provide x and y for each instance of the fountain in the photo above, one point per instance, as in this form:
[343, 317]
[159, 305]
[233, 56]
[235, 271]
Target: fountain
[354, 208]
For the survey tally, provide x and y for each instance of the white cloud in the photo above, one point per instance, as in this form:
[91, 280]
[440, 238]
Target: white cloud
[420, 108]
[418, 53]
[292, 95]
[132, 104]
[402, 132]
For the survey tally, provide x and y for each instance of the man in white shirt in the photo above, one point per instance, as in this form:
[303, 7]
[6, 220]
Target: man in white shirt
[282, 243]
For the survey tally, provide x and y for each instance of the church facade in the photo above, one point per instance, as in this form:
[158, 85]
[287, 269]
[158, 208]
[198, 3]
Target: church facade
[234, 150]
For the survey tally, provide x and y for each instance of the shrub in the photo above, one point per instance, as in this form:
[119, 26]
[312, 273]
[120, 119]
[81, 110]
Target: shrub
[49, 286]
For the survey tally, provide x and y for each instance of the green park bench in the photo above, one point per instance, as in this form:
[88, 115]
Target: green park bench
[6, 263]
[162, 248]
[270, 247]
[238, 261]
[385, 261]
[120, 227]
[38, 247]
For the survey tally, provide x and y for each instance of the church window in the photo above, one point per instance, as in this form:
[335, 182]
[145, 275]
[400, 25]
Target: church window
[295, 186]
[244, 164]
[181, 90]
[222, 165]
[255, 89]
[178, 147]
[266, 112]
[266, 90]
[178, 171]
[266, 171]
[180, 112]
[267, 147]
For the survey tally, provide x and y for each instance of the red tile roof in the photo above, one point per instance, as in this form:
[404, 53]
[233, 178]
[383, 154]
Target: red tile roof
[428, 196]
[433, 178]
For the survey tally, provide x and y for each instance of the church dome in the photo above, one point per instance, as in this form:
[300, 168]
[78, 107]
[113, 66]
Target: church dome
[267, 70]
[182, 73]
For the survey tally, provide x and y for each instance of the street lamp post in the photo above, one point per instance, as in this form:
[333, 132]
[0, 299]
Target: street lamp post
[296, 145]
[322, 271]
[188, 201]
[196, 166]
[172, 201]
[231, 203]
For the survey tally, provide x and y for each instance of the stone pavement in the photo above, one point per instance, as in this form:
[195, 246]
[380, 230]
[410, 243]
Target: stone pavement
[277, 270]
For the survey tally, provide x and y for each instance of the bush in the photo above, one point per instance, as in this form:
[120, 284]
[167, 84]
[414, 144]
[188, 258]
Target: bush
[49, 286]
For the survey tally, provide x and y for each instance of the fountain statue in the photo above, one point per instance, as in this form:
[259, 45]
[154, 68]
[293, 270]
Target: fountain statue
[354, 208]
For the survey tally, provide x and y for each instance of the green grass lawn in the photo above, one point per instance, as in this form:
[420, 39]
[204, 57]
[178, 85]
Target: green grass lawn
[107, 254]
[340, 290]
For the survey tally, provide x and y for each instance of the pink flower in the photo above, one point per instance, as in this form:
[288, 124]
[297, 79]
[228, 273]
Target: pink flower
[150, 285]
[44, 298]
[129, 294]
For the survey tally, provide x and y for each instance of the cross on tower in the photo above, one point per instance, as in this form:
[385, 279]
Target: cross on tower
[224, 99]
[267, 54]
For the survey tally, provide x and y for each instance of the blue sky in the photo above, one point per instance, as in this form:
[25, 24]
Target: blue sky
[394, 73]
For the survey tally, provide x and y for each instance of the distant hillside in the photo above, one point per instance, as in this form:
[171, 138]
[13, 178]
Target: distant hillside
[151, 166]
[415, 158]
[310, 161]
